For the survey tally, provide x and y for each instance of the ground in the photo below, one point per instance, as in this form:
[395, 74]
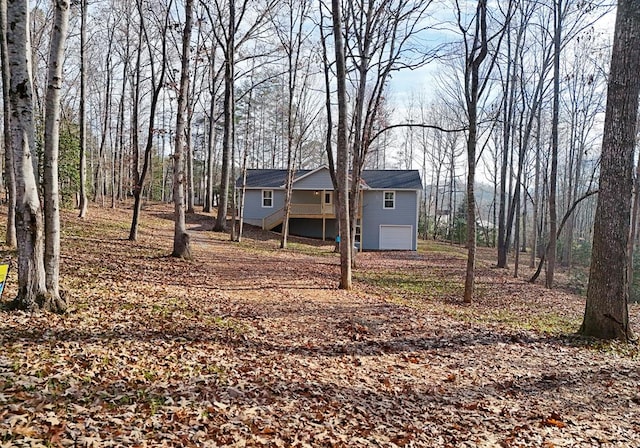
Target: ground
[249, 345]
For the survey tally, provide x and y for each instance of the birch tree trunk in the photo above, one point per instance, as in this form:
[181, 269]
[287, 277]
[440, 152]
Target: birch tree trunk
[51, 149]
[606, 313]
[29, 222]
[181, 246]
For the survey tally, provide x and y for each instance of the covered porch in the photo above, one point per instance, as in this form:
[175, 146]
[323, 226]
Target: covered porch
[316, 205]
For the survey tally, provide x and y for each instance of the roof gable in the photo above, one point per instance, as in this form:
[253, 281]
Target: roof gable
[318, 179]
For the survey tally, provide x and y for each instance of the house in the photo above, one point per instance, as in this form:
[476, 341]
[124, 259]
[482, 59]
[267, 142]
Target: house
[387, 218]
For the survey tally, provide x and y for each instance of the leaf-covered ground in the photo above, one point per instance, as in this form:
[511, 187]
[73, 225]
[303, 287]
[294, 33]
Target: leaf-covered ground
[250, 345]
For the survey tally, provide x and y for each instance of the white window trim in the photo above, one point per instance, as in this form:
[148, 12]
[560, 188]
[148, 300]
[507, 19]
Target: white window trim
[324, 200]
[384, 200]
[263, 198]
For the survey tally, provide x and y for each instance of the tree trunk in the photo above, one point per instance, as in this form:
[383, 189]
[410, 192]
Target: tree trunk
[181, 246]
[503, 243]
[83, 110]
[119, 160]
[342, 156]
[9, 179]
[99, 171]
[228, 137]
[243, 191]
[29, 223]
[536, 196]
[158, 85]
[190, 188]
[633, 233]
[516, 242]
[211, 142]
[553, 182]
[138, 180]
[211, 131]
[475, 57]
[292, 39]
[606, 313]
[51, 150]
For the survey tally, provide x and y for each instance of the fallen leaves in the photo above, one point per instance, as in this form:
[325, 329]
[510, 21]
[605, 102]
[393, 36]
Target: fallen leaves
[554, 420]
[251, 346]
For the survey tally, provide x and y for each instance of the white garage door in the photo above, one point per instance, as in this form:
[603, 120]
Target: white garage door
[396, 237]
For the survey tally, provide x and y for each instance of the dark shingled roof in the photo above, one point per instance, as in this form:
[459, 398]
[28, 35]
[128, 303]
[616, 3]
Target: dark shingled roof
[267, 178]
[388, 179]
[376, 179]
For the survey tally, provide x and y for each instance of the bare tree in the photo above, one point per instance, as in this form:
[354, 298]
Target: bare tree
[99, 169]
[342, 153]
[382, 36]
[522, 70]
[157, 84]
[214, 76]
[553, 214]
[181, 246]
[226, 23]
[83, 109]
[57, 301]
[476, 44]
[292, 37]
[29, 222]
[119, 174]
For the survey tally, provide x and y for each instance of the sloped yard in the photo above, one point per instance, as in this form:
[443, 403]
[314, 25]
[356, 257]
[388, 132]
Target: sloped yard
[250, 345]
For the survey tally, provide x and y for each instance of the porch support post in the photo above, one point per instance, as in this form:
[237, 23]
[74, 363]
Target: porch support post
[324, 228]
[361, 208]
[324, 219]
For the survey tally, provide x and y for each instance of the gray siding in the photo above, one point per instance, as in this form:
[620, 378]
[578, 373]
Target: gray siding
[374, 215]
[253, 209]
[320, 180]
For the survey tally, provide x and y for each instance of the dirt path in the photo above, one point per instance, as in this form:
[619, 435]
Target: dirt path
[250, 346]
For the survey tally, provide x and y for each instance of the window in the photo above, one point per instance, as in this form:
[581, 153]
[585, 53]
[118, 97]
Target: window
[328, 198]
[389, 199]
[267, 198]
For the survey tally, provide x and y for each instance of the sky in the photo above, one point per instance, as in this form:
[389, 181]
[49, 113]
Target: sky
[406, 82]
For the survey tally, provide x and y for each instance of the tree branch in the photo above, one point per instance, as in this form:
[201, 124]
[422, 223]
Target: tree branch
[535, 276]
[415, 125]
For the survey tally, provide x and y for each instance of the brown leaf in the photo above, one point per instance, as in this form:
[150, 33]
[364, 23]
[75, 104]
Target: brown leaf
[554, 422]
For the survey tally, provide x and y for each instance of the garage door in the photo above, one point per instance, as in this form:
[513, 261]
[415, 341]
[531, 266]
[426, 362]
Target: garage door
[396, 237]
